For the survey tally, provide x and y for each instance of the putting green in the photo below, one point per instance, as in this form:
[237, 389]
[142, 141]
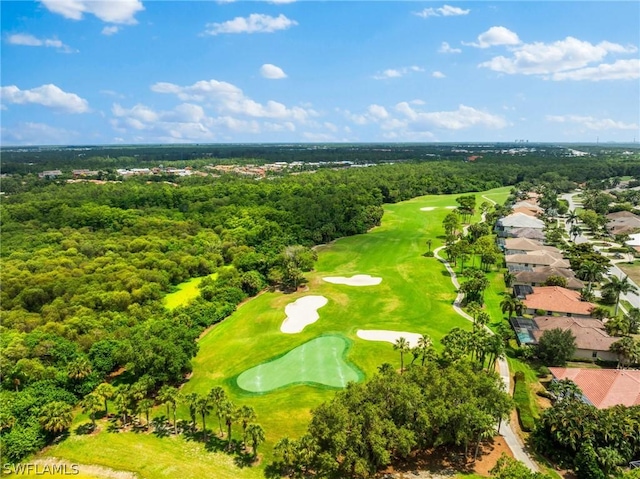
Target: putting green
[319, 361]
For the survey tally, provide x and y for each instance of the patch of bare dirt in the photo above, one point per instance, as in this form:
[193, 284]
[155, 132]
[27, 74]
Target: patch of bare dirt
[446, 462]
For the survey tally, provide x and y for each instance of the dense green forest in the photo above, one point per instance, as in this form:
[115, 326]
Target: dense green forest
[85, 266]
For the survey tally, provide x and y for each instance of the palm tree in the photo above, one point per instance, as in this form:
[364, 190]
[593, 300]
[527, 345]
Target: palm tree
[627, 350]
[247, 414]
[169, 396]
[401, 345]
[122, 399]
[79, 368]
[599, 312]
[204, 408]
[56, 417]
[192, 400]
[509, 278]
[91, 404]
[575, 231]
[429, 244]
[218, 396]
[591, 271]
[512, 305]
[424, 344]
[230, 414]
[496, 349]
[634, 320]
[256, 433]
[145, 406]
[105, 391]
[572, 217]
[618, 287]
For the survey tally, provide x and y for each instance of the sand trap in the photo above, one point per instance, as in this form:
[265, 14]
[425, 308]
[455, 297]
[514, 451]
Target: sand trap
[355, 280]
[388, 336]
[428, 208]
[451, 207]
[301, 313]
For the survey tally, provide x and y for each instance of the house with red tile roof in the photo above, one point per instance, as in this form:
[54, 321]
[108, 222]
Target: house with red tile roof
[604, 387]
[592, 340]
[555, 299]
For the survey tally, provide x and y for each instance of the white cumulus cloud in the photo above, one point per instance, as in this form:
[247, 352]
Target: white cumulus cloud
[230, 99]
[463, 117]
[272, 72]
[254, 23]
[28, 40]
[110, 30]
[619, 70]
[593, 123]
[438, 75]
[496, 36]
[408, 120]
[110, 11]
[547, 58]
[396, 72]
[444, 11]
[47, 95]
[446, 48]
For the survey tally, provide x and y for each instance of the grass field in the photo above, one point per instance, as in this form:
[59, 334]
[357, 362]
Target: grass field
[185, 292]
[319, 361]
[415, 296]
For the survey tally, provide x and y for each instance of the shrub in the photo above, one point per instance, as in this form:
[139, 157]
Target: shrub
[543, 372]
[428, 254]
[523, 404]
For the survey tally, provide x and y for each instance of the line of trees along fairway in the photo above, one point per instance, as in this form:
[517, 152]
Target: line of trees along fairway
[85, 267]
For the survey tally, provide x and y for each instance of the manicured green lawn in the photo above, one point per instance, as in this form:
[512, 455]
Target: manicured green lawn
[415, 295]
[632, 270]
[186, 292]
[150, 456]
[319, 361]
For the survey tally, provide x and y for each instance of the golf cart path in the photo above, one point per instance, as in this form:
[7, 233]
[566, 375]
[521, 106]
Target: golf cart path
[506, 429]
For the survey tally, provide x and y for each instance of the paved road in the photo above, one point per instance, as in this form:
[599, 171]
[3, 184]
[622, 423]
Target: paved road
[506, 428]
[572, 207]
[633, 298]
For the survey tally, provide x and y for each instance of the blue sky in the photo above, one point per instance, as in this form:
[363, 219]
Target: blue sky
[136, 71]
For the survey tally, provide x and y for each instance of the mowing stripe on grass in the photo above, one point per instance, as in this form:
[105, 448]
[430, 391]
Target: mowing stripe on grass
[319, 361]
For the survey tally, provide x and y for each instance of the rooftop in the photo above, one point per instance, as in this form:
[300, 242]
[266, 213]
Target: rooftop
[604, 387]
[538, 258]
[555, 298]
[589, 333]
[521, 220]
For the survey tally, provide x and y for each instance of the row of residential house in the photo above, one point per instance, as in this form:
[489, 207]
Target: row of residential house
[531, 263]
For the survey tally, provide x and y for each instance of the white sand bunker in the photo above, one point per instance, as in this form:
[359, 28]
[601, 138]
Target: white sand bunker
[301, 313]
[428, 208]
[388, 336]
[451, 207]
[355, 280]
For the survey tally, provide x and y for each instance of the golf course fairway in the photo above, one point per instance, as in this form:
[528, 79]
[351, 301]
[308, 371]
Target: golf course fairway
[416, 296]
